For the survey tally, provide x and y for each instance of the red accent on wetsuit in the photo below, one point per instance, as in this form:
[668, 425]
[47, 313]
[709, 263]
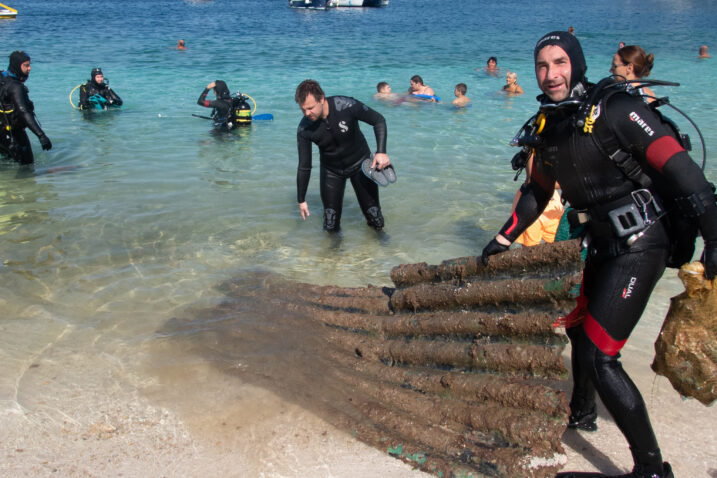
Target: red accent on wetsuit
[206, 103]
[660, 151]
[600, 337]
[515, 223]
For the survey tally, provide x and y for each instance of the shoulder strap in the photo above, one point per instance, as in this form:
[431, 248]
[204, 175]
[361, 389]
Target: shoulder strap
[607, 142]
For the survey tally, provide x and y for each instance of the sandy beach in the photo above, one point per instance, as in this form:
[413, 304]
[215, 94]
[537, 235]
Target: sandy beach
[83, 411]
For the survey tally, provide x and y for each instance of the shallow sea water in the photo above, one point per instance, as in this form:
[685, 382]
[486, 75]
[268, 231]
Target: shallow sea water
[138, 216]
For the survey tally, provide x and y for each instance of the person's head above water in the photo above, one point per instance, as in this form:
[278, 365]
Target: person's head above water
[417, 80]
[221, 90]
[492, 63]
[181, 45]
[19, 65]
[97, 76]
[704, 52]
[559, 65]
[460, 88]
[310, 98]
[632, 62]
[383, 87]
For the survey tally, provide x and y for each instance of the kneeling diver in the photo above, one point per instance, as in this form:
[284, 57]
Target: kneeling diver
[96, 93]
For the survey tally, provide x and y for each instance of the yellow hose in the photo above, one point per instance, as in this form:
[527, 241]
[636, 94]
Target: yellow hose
[70, 97]
[252, 100]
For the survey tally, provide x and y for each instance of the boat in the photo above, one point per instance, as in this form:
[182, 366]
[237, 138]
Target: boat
[312, 4]
[7, 12]
[325, 4]
[361, 3]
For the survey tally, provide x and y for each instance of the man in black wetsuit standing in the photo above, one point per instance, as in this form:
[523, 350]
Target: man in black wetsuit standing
[620, 195]
[17, 112]
[332, 123]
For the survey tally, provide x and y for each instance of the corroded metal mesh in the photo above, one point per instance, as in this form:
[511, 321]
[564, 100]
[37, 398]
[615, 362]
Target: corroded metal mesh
[454, 370]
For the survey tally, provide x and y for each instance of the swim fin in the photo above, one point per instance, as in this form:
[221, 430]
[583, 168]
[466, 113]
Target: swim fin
[374, 174]
[390, 173]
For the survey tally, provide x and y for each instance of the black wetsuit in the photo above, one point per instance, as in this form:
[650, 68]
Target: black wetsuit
[342, 148]
[91, 88]
[18, 113]
[618, 279]
[221, 106]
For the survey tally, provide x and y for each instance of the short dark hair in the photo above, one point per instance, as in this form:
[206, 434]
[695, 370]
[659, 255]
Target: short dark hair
[417, 79]
[492, 58]
[462, 88]
[381, 85]
[306, 88]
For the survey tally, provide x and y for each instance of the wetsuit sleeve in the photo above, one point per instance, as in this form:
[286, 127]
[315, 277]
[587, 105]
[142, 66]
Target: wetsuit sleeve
[653, 142]
[534, 197]
[24, 108]
[375, 119]
[303, 172]
[114, 97]
[202, 101]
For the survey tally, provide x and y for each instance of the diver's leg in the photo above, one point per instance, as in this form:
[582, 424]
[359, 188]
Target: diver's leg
[367, 195]
[23, 153]
[618, 295]
[332, 196]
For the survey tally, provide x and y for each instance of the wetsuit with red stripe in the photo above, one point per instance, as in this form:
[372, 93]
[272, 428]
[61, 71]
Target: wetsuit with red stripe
[618, 279]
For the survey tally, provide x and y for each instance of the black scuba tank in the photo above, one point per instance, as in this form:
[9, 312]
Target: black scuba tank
[240, 114]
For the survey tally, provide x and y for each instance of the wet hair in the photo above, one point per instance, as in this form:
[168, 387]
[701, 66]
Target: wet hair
[381, 85]
[641, 61]
[461, 88]
[417, 79]
[512, 74]
[221, 90]
[493, 59]
[306, 88]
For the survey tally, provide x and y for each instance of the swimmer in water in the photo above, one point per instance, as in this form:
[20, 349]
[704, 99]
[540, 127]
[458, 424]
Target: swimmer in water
[418, 88]
[460, 92]
[383, 92]
[704, 52]
[491, 66]
[511, 84]
[181, 45]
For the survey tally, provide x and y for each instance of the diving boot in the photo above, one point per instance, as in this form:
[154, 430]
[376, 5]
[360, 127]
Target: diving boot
[584, 420]
[637, 472]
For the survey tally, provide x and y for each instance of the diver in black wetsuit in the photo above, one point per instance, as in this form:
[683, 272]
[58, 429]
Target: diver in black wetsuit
[622, 265]
[17, 111]
[222, 105]
[332, 123]
[96, 94]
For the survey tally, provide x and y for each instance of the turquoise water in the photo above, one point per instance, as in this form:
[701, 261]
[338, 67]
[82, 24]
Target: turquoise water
[149, 210]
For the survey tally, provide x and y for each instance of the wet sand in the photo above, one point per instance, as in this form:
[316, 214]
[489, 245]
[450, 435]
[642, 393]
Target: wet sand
[85, 405]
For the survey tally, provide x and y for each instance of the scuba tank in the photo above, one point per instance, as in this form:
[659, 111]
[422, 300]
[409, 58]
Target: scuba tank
[240, 113]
